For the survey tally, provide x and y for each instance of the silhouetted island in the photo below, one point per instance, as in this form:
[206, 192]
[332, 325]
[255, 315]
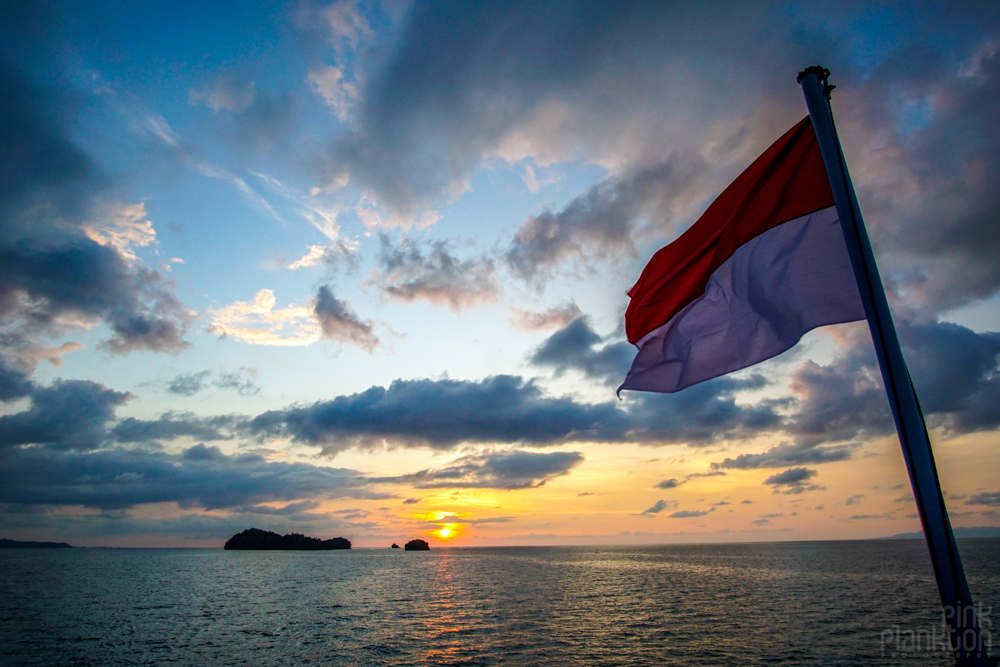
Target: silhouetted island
[18, 544]
[417, 545]
[395, 546]
[255, 538]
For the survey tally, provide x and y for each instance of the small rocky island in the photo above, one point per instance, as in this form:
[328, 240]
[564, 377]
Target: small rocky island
[417, 545]
[257, 539]
[18, 544]
[394, 546]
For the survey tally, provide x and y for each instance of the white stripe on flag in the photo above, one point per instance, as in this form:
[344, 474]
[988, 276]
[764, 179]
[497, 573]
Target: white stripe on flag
[760, 302]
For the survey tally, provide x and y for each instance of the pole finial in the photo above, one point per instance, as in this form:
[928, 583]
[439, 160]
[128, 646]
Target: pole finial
[823, 74]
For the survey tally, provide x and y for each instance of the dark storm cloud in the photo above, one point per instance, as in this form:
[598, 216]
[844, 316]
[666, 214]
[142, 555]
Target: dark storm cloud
[412, 271]
[116, 478]
[51, 273]
[67, 415]
[576, 347]
[498, 469]
[508, 409]
[338, 322]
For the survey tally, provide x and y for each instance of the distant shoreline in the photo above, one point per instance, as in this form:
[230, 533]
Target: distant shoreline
[19, 544]
[974, 533]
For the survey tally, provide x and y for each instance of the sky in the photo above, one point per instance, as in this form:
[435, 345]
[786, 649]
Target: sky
[359, 269]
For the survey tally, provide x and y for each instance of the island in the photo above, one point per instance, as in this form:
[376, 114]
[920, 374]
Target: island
[18, 544]
[257, 539]
[394, 546]
[417, 545]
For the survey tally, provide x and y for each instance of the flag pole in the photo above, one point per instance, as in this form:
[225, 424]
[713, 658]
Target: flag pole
[954, 589]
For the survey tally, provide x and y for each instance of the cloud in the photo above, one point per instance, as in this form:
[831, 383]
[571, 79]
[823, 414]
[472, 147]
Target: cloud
[791, 476]
[225, 93]
[595, 225]
[123, 227]
[411, 271]
[66, 254]
[954, 370]
[486, 80]
[551, 318]
[702, 414]
[242, 381]
[14, 382]
[929, 193]
[411, 501]
[188, 384]
[67, 415]
[328, 255]
[687, 514]
[793, 481]
[985, 498]
[260, 323]
[787, 454]
[673, 482]
[338, 322]
[291, 509]
[854, 500]
[172, 425]
[659, 506]
[573, 348]
[339, 95]
[201, 477]
[496, 469]
[508, 409]
[50, 288]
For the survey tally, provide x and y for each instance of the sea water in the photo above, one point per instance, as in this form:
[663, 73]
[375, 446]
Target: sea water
[805, 603]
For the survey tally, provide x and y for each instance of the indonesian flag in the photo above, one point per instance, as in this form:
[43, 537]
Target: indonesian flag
[765, 264]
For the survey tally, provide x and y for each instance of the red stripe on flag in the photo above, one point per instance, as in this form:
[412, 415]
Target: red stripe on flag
[786, 182]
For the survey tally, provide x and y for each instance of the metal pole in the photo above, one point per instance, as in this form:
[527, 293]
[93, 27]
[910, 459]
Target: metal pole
[954, 590]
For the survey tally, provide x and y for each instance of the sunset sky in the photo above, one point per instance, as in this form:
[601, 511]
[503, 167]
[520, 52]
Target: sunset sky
[359, 269]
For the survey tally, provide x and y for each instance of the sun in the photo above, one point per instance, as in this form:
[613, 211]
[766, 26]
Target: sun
[447, 531]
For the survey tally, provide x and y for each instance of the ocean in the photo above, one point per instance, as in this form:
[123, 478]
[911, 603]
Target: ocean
[803, 603]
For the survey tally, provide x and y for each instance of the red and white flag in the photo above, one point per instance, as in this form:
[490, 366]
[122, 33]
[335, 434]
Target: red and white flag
[765, 264]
